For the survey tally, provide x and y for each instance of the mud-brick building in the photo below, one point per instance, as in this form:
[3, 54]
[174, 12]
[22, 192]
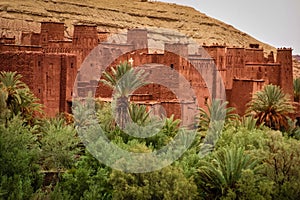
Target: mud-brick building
[246, 70]
[47, 83]
[50, 62]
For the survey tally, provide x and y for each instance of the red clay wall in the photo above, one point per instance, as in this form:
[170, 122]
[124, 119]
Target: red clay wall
[284, 57]
[7, 40]
[254, 55]
[30, 39]
[242, 92]
[51, 31]
[159, 92]
[21, 48]
[138, 38]
[85, 39]
[235, 62]
[270, 73]
[49, 76]
[218, 54]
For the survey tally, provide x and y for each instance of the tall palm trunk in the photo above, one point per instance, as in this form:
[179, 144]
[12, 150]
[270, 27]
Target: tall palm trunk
[122, 114]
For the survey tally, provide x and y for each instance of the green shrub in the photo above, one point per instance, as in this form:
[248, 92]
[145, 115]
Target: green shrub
[88, 179]
[58, 144]
[282, 166]
[254, 139]
[167, 183]
[18, 161]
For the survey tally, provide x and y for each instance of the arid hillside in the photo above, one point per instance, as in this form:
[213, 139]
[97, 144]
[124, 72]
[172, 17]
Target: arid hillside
[116, 15]
[113, 15]
[296, 65]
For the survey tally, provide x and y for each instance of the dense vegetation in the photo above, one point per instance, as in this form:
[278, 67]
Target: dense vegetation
[252, 158]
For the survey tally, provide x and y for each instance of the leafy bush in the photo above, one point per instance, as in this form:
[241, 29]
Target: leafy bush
[251, 187]
[282, 166]
[88, 179]
[254, 139]
[168, 183]
[18, 160]
[58, 144]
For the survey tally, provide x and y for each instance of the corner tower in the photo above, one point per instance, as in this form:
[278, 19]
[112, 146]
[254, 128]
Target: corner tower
[85, 36]
[51, 31]
[284, 57]
[138, 37]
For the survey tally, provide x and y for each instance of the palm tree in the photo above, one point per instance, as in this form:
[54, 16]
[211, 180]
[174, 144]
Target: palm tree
[16, 98]
[297, 89]
[222, 171]
[111, 79]
[217, 111]
[124, 80]
[248, 122]
[59, 144]
[139, 114]
[212, 122]
[271, 107]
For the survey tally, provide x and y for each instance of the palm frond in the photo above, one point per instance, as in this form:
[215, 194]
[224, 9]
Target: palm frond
[217, 111]
[17, 97]
[225, 168]
[271, 107]
[138, 113]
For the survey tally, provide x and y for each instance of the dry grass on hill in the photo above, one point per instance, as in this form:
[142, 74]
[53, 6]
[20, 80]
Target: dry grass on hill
[115, 15]
[296, 69]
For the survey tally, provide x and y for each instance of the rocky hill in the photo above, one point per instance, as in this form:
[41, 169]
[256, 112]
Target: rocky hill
[296, 65]
[114, 15]
[297, 57]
